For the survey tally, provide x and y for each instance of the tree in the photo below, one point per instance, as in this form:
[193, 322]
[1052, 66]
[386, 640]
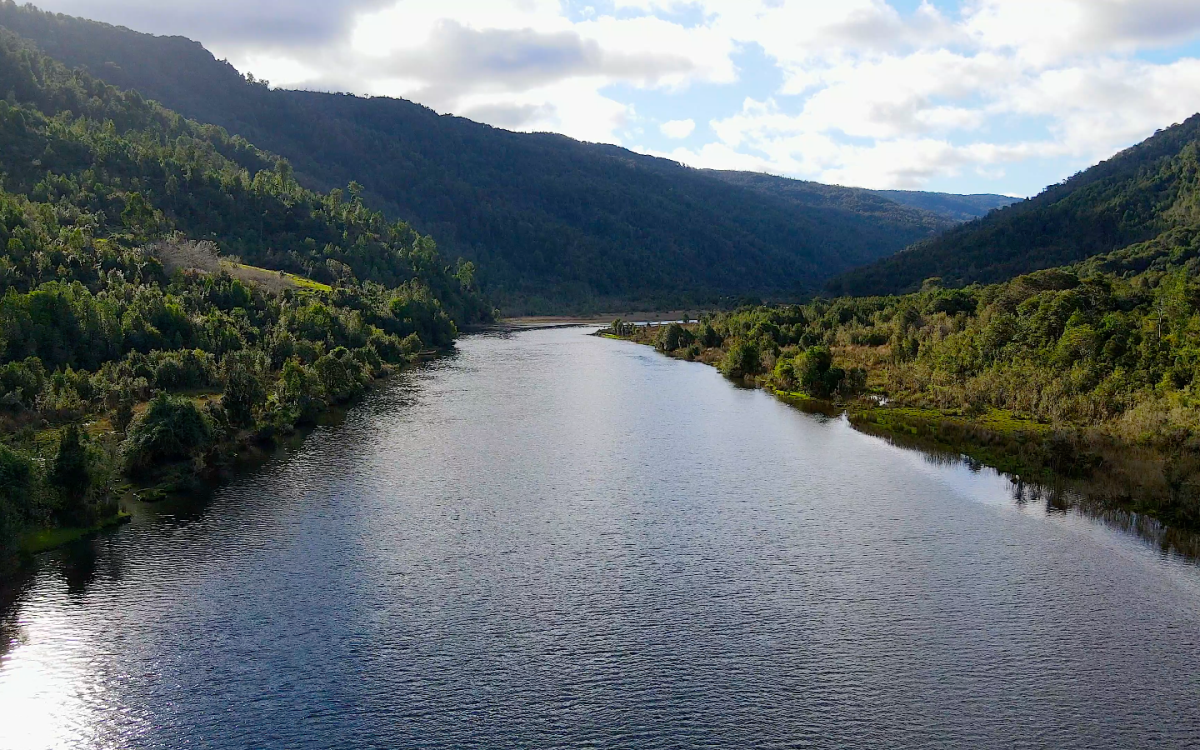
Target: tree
[674, 337]
[816, 374]
[71, 475]
[244, 394]
[742, 360]
[171, 429]
[139, 215]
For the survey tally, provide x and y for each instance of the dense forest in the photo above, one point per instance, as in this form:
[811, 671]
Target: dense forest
[553, 224]
[169, 293]
[1133, 197]
[1062, 370]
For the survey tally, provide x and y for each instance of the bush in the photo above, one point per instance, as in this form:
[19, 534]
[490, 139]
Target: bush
[742, 360]
[784, 376]
[340, 374]
[816, 374]
[172, 429]
[244, 394]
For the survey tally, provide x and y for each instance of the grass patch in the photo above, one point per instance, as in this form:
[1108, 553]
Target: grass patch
[273, 279]
[44, 540]
[998, 439]
[913, 420]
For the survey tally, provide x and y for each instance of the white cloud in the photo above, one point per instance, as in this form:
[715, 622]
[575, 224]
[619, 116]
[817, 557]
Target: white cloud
[1045, 31]
[678, 129]
[857, 91]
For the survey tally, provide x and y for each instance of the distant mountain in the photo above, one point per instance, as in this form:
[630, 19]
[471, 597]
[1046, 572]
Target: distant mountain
[804, 194]
[1135, 196]
[553, 224]
[955, 207]
[934, 211]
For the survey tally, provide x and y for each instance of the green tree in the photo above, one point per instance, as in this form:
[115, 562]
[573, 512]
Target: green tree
[816, 374]
[244, 393]
[171, 429]
[742, 360]
[71, 475]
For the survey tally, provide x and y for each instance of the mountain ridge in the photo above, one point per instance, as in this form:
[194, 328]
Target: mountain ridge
[553, 224]
[1132, 197]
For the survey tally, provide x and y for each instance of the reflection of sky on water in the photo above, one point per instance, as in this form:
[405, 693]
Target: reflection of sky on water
[551, 539]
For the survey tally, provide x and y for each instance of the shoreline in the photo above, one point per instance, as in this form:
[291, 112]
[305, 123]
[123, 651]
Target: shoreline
[1123, 478]
[534, 322]
[182, 480]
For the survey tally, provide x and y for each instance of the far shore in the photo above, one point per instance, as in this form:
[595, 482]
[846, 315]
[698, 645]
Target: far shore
[556, 321]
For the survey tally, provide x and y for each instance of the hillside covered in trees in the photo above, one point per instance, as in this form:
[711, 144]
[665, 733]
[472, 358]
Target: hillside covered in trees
[169, 293]
[1133, 197]
[552, 224]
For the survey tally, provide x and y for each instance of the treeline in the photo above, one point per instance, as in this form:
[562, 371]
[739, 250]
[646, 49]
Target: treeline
[128, 348]
[1102, 354]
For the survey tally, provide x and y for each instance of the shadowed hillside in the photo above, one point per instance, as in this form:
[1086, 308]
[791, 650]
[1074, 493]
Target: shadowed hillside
[553, 224]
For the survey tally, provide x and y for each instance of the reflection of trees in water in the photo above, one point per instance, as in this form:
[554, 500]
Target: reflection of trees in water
[12, 592]
[106, 556]
[1090, 499]
[1062, 500]
[79, 564]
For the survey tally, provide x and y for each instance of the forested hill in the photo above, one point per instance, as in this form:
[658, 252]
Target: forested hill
[132, 341]
[1135, 196]
[552, 223]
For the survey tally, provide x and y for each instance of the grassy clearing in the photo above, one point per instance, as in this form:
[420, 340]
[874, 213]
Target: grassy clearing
[204, 256]
[274, 280]
[43, 540]
[904, 419]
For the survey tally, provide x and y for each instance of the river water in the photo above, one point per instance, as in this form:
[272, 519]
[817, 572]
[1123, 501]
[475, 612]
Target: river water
[554, 540]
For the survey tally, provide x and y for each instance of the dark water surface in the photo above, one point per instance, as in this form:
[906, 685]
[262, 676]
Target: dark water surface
[553, 540]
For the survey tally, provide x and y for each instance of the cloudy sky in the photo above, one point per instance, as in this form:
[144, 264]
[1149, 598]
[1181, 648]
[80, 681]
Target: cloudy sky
[1002, 96]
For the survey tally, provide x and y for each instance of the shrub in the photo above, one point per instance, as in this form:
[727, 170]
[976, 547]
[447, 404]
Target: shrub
[816, 374]
[171, 429]
[742, 360]
[340, 374]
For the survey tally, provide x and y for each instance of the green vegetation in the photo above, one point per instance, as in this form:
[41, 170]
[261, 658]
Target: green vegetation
[170, 295]
[554, 225]
[1135, 196]
[46, 539]
[1061, 372]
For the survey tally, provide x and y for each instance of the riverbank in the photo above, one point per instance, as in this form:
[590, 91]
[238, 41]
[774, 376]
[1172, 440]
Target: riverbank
[193, 477]
[534, 322]
[1141, 479]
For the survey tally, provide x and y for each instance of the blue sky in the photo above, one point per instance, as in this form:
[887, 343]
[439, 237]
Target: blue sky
[1000, 96]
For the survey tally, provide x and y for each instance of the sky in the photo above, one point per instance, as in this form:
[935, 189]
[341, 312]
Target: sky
[974, 96]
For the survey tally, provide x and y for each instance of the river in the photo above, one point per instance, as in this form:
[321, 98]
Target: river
[554, 540]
